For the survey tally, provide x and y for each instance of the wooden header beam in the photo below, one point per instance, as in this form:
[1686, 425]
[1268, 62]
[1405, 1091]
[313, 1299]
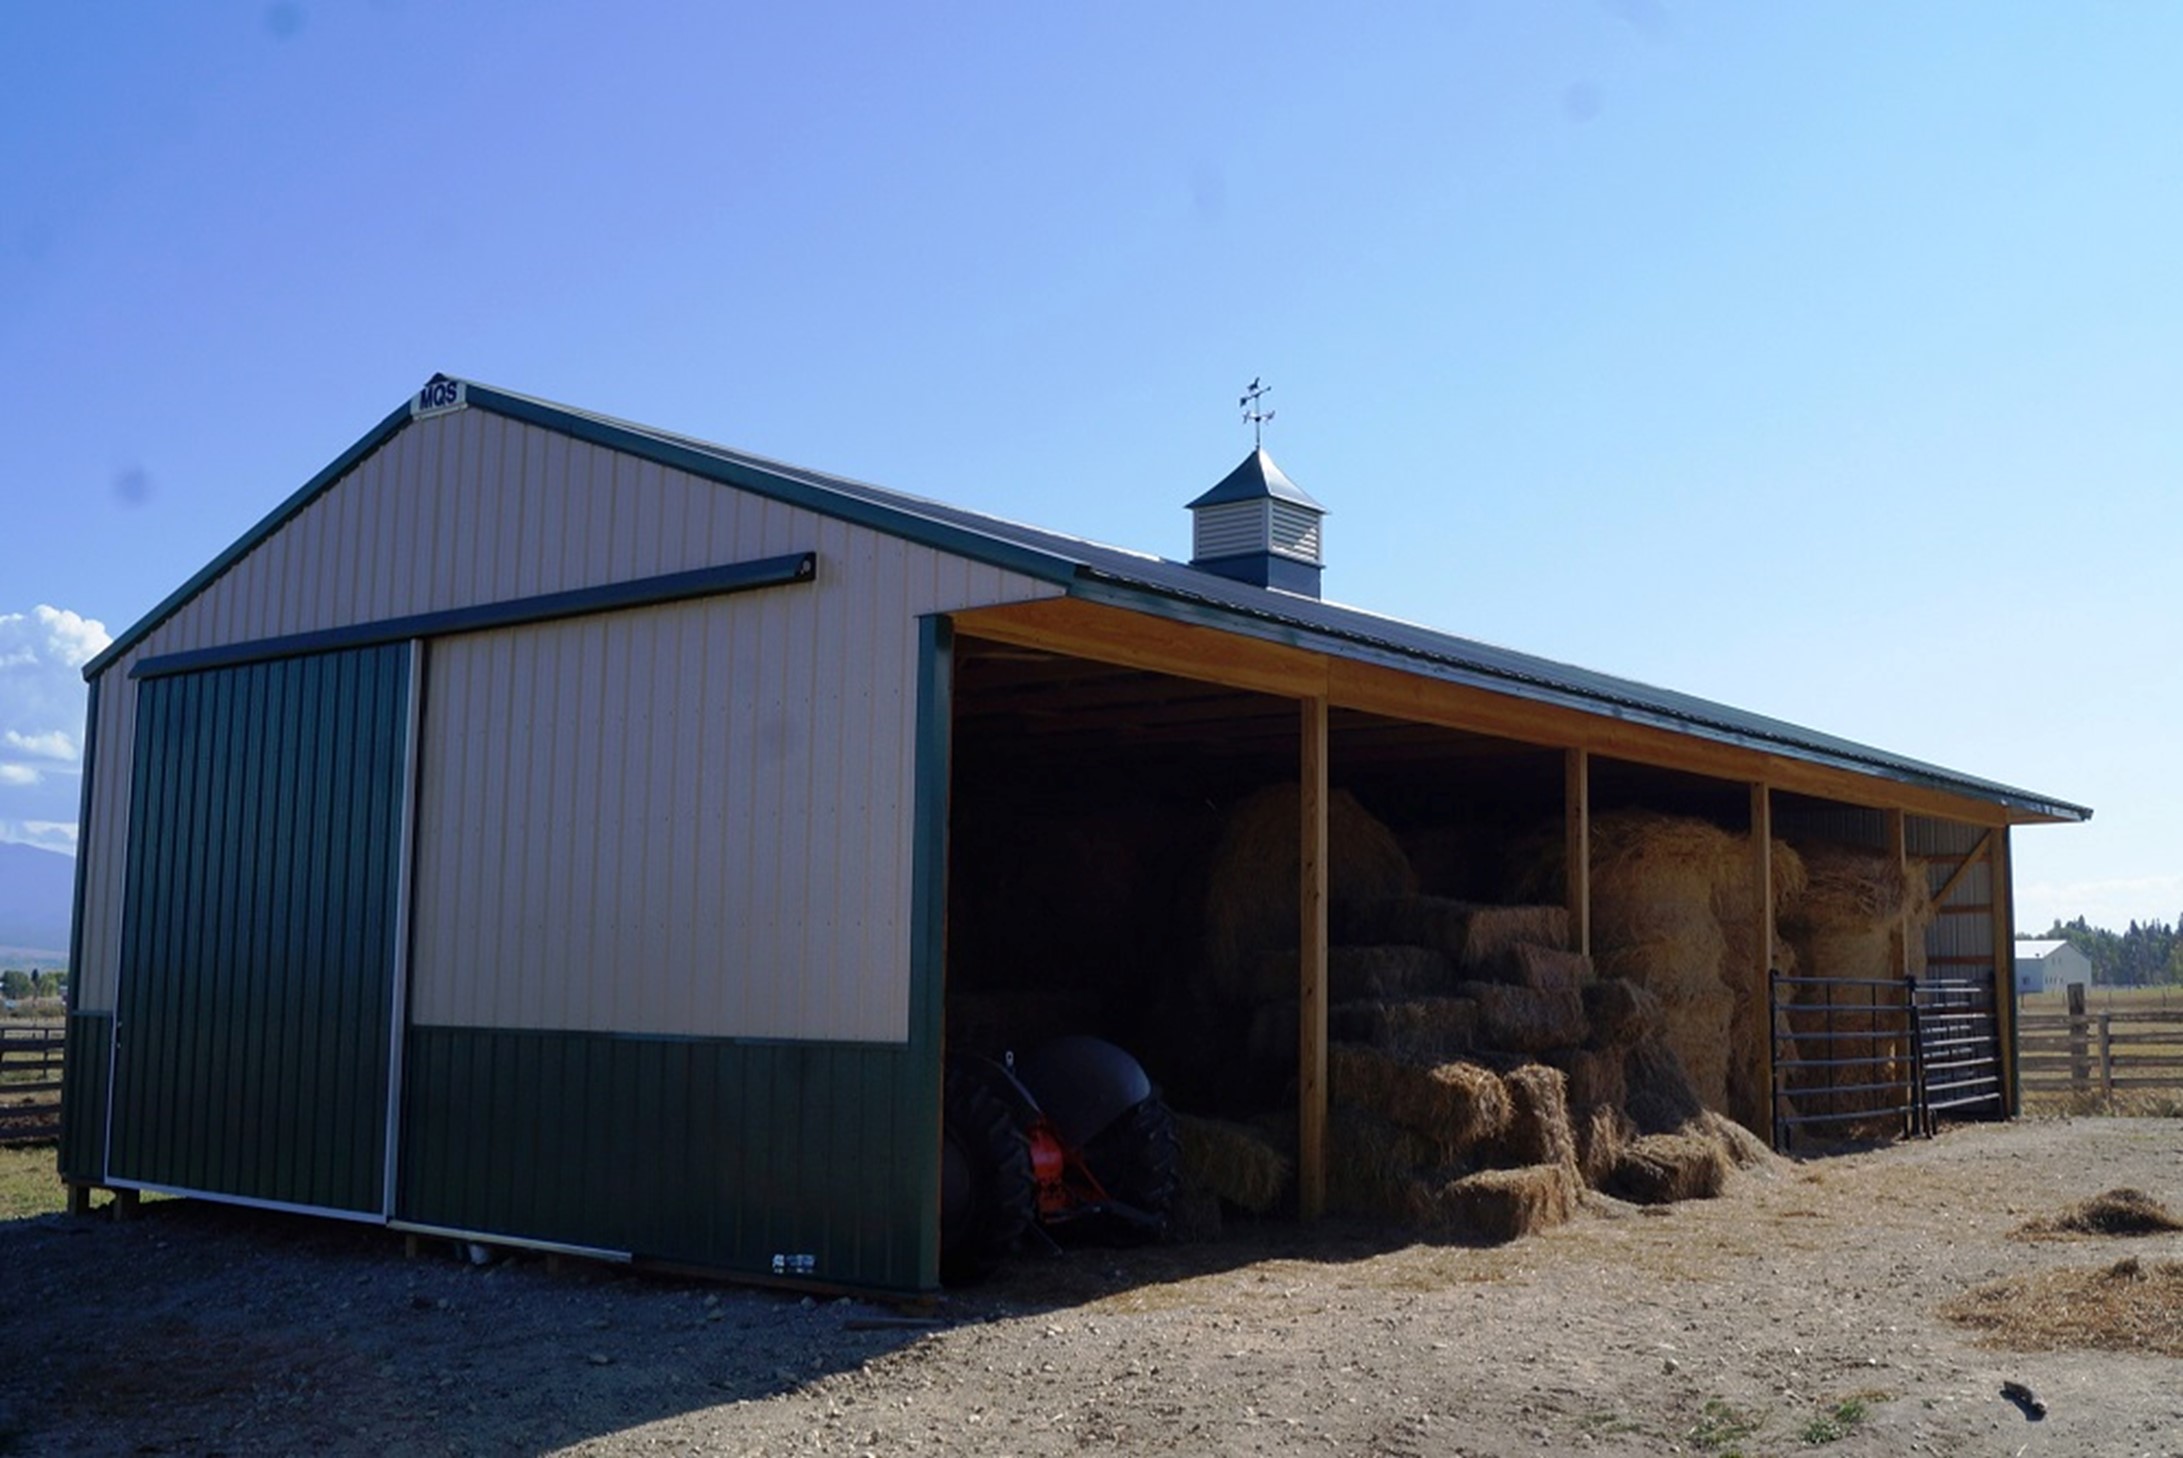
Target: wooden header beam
[1160, 645]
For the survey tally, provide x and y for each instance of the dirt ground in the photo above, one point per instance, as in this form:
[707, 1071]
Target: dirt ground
[1798, 1312]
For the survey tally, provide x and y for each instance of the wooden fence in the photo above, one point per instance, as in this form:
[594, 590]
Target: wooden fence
[2134, 1052]
[30, 1082]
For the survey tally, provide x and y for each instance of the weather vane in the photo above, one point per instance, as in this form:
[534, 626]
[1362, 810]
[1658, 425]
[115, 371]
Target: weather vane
[1255, 416]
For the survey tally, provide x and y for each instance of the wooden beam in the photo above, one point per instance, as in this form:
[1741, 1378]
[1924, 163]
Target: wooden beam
[1311, 1087]
[1762, 881]
[1160, 645]
[1576, 800]
[1978, 853]
[2003, 876]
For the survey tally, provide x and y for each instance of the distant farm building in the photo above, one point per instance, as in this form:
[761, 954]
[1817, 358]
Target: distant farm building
[2050, 967]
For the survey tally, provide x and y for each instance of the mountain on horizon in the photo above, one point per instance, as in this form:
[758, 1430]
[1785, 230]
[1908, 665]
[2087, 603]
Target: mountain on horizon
[37, 895]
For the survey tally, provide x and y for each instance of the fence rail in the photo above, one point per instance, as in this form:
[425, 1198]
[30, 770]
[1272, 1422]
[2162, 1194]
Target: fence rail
[2084, 1053]
[30, 1082]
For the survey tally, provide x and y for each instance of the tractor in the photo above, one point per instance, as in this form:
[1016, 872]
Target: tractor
[1071, 1140]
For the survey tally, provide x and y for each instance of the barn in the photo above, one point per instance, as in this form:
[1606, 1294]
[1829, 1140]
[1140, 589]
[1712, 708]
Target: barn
[553, 831]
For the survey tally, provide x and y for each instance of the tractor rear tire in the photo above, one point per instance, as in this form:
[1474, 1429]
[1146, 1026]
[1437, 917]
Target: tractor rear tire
[988, 1196]
[1138, 1159]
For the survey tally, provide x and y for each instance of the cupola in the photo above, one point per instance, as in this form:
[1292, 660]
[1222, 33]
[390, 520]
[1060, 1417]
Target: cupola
[1258, 526]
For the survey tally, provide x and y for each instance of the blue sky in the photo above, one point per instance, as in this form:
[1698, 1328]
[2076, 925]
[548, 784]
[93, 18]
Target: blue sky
[1822, 360]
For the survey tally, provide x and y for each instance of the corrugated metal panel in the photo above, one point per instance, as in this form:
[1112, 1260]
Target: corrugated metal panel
[713, 1153]
[255, 992]
[692, 819]
[83, 1096]
[1842, 824]
[463, 509]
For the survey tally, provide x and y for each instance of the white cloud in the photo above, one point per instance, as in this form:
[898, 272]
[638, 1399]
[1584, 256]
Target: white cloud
[53, 744]
[52, 835]
[42, 654]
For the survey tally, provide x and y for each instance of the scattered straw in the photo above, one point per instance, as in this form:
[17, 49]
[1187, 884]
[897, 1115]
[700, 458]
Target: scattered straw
[2129, 1306]
[2117, 1212]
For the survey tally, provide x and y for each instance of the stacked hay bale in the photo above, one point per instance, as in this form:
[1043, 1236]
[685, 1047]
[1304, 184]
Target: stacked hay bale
[1861, 917]
[1482, 1072]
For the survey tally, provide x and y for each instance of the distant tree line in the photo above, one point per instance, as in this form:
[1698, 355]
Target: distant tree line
[2147, 954]
[17, 985]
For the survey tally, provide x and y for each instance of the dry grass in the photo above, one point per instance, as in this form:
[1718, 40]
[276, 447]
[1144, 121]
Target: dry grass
[2126, 1307]
[29, 1182]
[2117, 1212]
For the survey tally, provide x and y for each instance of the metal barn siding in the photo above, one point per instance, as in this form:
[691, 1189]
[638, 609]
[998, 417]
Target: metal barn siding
[688, 820]
[255, 1004]
[463, 509]
[806, 1157]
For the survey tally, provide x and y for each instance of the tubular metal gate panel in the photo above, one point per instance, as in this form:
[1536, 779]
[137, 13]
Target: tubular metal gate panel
[1959, 1044]
[1845, 1054]
[1881, 1051]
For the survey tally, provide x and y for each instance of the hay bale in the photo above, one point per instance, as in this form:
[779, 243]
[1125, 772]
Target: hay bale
[1435, 1027]
[1745, 1150]
[1456, 1105]
[1594, 1077]
[1603, 1132]
[1502, 1204]
[1700, 1031]
[1372, 1167]
[1476, 936]
[1251, 903]
[1539, 1130]
[1620, 1012]
[1526, 1019]
[1656, 1169]
[1547, 968]
[1353, 973]
[1234, 1161]
[1660, 1099]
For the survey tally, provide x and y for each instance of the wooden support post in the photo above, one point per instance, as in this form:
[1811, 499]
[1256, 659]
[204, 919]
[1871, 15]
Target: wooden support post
[2107, 1064]
[1762, 882]
[2080, 1058]
[2003, 900]
[1311, 1088]
[79, 1198]
[126, 1203]
[1576, 800]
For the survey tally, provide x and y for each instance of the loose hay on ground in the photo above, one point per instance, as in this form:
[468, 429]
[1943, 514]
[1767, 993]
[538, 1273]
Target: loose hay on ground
[2126, 1307]
[1234, 1161]
[2116, 1212]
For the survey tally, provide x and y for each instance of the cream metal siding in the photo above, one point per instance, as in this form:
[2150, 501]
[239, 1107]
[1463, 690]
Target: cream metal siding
[467, 508]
